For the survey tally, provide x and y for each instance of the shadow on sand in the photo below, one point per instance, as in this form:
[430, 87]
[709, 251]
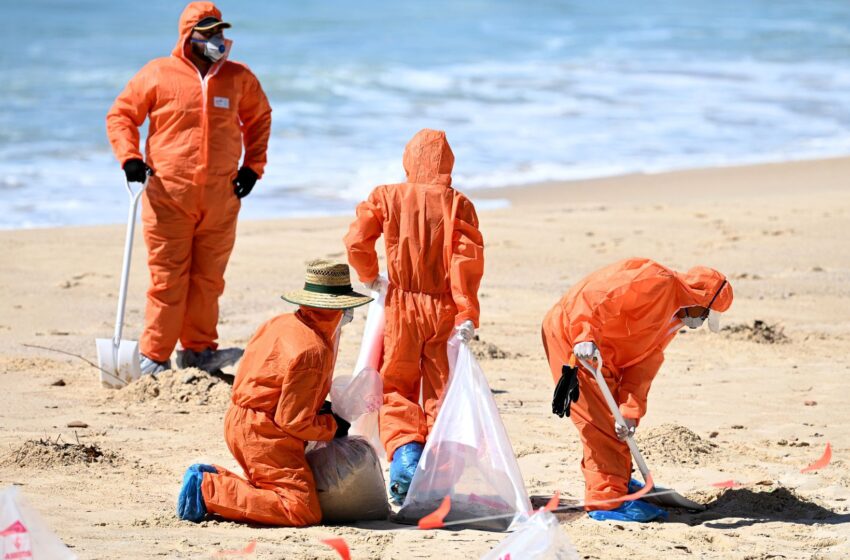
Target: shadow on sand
[743, 507]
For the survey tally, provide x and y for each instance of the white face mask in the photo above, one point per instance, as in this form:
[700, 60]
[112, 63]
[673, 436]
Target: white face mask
[693, 322]
[347, 316]
[213, 47]
[713, 321]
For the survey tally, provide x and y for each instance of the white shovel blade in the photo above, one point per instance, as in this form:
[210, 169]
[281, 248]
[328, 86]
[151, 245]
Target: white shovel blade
[127, 369]
[670, 498]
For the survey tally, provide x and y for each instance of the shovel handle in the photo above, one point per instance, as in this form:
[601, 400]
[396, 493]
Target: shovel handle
[125, 267]
[615, 411]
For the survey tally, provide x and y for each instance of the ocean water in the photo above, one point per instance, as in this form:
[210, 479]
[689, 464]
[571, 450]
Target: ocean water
[526, 90]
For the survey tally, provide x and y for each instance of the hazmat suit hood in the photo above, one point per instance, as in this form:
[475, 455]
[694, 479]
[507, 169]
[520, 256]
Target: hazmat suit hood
[428, 158]
[192, 14]
[323, 322]
[700, 284]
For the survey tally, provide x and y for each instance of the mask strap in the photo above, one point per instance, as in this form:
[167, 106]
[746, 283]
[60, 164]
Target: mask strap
[717, 293]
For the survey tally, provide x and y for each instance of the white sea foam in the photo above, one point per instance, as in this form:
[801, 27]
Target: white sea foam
[526, 93]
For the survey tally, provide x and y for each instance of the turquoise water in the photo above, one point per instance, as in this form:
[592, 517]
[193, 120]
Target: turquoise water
[527, 91]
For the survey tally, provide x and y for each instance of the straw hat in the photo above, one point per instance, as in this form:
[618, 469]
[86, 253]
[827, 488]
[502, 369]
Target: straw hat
[327, 285]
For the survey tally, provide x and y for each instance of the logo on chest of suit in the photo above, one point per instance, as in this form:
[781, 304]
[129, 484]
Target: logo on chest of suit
[221, 102]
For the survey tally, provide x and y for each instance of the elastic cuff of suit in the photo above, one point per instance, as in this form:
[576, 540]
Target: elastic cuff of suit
[405, 441]
[253, 168]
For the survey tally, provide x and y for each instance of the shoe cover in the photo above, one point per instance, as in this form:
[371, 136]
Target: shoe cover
[637, 510]
[152, 367]
[190, 502]
[404, 463]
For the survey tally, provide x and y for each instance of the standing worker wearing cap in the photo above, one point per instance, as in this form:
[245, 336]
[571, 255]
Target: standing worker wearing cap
[435, 261]
[629, 312]
[202, 108]
[278, 405]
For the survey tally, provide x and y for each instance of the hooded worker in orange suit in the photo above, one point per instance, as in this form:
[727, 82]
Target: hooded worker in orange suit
[628, 312]
[435, 261]
[202, 109]
[277, 406]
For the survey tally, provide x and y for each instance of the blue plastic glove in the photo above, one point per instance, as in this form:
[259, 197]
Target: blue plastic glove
[190, 502]
[403, 466]
[637, 510]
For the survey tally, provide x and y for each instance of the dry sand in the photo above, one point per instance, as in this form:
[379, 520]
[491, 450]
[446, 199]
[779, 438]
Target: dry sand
[738, 406]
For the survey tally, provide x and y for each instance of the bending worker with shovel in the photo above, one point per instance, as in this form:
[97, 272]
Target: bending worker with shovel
[628, 312]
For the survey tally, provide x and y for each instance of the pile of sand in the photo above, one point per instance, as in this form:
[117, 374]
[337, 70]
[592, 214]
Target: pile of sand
[181, 386]
[671, 443]
[759, 332]
[487, 350]
[49, 453]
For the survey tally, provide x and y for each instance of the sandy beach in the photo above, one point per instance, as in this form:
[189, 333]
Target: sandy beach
[754, 404]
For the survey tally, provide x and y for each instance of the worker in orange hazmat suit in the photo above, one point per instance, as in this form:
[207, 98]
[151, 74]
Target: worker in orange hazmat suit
[629, 312]
[435, 261]
[202, 108]
[277, 407]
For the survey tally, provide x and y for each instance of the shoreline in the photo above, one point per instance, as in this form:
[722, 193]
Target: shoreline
[785, 175]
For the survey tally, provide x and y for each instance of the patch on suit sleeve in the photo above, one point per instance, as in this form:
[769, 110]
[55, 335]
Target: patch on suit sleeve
[221, 102]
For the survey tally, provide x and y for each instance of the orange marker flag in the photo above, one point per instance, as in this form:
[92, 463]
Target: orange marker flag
[434, 520]
[726, 484]
[249, 549]
[822, 462]
[553, 502]
[340, 546]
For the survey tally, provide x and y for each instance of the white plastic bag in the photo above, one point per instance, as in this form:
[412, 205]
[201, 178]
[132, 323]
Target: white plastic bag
[369, 364]
[349, 480]
[468, 457]
[539, 538]
[23, 534]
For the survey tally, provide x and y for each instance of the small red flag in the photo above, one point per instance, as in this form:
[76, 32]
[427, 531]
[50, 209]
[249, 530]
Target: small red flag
[434, 520]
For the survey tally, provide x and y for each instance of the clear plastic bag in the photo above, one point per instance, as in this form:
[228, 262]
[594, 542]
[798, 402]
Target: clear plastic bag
[349, 480]
[539, 538]
[23, 534]
[468, 457]
[369, 364]
[353, 397]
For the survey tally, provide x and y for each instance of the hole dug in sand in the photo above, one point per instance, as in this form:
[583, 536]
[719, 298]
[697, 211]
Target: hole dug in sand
[189, 385]
[487, 350]
[759, 332]
[780, 504]
[673, 444]
[49, 453]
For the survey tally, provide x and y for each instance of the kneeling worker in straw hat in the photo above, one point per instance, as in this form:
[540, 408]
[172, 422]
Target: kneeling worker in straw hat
[278, 404]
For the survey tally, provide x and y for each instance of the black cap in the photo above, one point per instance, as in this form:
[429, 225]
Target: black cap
[210, 22]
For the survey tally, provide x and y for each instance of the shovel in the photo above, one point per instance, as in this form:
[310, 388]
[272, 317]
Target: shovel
[118, 359]
[659, 495]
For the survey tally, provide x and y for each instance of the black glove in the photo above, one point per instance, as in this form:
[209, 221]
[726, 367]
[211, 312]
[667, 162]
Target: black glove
[244, 181]
[566, 392]
[342, 425]
[136, 170]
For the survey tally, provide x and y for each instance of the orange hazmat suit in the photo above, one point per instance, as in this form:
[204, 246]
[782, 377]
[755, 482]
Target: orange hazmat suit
[435, 261]
[283, 379]
[197, 128]
[628, 309]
